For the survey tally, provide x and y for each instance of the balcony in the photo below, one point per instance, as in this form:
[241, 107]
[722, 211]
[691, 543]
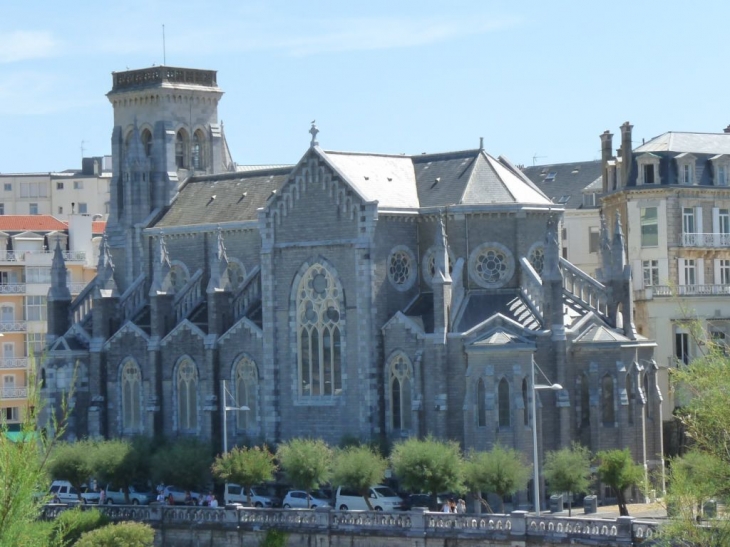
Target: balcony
[681, 290]
[12, 288]
[14, 363]
[19, 257]
[13, 326]
[715, 241]
[14, 393]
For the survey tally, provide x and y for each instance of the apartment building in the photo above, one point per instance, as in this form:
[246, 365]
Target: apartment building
[61, 194]
[27, 245]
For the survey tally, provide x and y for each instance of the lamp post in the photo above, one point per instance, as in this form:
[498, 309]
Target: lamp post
[536, 477]
[226, 409]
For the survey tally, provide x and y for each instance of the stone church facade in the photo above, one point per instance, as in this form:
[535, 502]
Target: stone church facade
[351, 295]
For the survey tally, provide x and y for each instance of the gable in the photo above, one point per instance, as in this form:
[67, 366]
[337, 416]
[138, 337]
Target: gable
[128, 328]
[180, 329]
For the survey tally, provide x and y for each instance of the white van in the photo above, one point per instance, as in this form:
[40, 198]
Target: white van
[382, 498]
[63, 492]
[261, 496]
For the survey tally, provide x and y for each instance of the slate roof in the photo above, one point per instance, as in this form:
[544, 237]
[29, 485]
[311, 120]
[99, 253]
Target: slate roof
[566, 180]
[31, 223]
[480, 307]
[220, 198]
[678, 141]
[599, 333]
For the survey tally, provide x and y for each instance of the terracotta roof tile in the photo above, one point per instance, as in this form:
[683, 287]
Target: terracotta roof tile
[35, 223]
[98, 226]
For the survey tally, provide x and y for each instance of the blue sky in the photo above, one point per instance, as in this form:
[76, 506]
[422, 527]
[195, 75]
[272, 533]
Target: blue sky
[538, 80]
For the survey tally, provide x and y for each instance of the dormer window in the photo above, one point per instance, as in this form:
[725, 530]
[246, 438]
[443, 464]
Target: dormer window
[648, 169]
[720, 168]
[686, 169]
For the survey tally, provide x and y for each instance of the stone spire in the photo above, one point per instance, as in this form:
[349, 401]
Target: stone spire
[551, 269]
[618, 246]
[105, 269]
[441, 253]
[218, 266]
[59, 287]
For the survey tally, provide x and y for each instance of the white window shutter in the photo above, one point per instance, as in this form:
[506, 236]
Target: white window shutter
[715, 220]
[698, 221]
[664, 271]
[716, 276]
[680, 269]
[638, 275]
[700, 271]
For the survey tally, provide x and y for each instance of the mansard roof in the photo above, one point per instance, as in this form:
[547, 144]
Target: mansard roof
[679, 141]
[564, 182]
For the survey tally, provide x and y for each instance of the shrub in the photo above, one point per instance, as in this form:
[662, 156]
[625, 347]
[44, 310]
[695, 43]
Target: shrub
[70, 525]
[124, 534]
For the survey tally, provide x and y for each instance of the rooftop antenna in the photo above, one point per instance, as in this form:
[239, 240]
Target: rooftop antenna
[535, 158]
[164, 54]
[82, 150]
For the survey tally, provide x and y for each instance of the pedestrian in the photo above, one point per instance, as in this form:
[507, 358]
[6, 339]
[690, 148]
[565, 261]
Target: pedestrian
[102, 497]
[446, 507]
[213, 501]
[170, 499]
[452, 505]
[461, 506]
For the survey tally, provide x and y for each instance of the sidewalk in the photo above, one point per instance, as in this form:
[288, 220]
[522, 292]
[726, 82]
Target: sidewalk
[637, 510]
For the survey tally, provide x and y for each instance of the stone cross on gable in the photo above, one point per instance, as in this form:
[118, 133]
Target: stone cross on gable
[313, 131]
[164, 257]
[221, 251]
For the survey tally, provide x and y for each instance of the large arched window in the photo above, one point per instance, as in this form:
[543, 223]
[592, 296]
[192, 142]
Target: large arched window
[131, 382]
[504, 404]
[481, 403]
[197, 151]
[608, 414]
[181, 144]
[187, 396]
[246, 380]
[319, 336]
[585, 401]
[525, 405]
[630, 398]
[401, 378]
[147, 142]
[647, 394]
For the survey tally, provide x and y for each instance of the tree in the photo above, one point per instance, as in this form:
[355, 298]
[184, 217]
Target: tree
[501, 470]
[184, 463]
[428, 465]
[358, 468]
[568, 470]
[245, 466]
[124, 534]
[305, 462]
[70, 525]
[618, 470]
[73, 462]
[122, 462]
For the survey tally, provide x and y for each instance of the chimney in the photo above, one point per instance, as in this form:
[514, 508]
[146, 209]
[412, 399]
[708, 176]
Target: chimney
[606, 147]
[727, 129]
[625, 152]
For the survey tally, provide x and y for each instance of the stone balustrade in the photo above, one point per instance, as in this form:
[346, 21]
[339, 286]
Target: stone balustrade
[157, 75]
[583, 288]
[220, 523]
[134, 298]
[189, 297]
[531, 287]
[714, 240]
[248, 295]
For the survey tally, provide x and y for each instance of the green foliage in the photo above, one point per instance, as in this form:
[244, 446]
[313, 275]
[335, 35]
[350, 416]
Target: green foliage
[124, 534]
[73, 462]
[358, 468]
[185, 463]
[121, 462]
[428, 465]
[618, 470]
[305, 462]
[501, 470]
[70, 525]
[274, 538]
[568, 470]
[245, 466]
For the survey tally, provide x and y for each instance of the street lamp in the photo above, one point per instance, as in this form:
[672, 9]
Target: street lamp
[536, 478]
[226, 409]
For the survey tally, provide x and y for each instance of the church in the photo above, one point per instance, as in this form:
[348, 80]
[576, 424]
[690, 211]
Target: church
[352, 295]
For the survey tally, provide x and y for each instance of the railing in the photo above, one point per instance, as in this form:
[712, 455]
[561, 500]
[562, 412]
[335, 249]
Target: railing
[20, 256]
[248, 295]
[12, 288]
[582, 287]
[159, 74]
[14, 393]
[81, 306]
[133, 299]
[14, 362]
[531, 287]
[13, 326]
[706, 240]
[688, 290]
[189, 297]
[400, 525]
[76, 287]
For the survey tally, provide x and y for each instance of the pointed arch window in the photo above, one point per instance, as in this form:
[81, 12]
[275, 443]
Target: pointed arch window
[187, 396]
[647, 394]
[608, 414]
[526, 406]
[147, 142]
[585, 401]
[181, 142]
[198, 150]
[131, 397]
[401, 378]
[630, 398]
[247, 384]
[481, 403]
[319, 333]
[505, 419]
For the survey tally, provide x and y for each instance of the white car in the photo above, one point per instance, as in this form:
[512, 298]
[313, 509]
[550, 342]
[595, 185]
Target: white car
[179, 494]
[298, 499]
[63, 492]
[261, 495]
[382, 498]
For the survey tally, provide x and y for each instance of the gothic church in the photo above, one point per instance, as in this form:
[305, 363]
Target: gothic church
[352, 294]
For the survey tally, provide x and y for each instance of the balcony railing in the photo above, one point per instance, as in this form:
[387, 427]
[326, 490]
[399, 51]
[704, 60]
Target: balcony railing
[14, 393]
[20, 256]
[706, 240]
[76, 288]
[12, 288]
[14, 363]
[12, 326]
[681, 290]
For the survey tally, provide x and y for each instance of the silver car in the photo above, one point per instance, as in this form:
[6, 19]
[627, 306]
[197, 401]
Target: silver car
[297, 499]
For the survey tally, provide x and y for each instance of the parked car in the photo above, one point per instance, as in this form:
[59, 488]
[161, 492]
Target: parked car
[382, 498]
[178, 495]
[424, 500]
[63, 492]
[137, 495]
[297, 499]
[261, 496]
